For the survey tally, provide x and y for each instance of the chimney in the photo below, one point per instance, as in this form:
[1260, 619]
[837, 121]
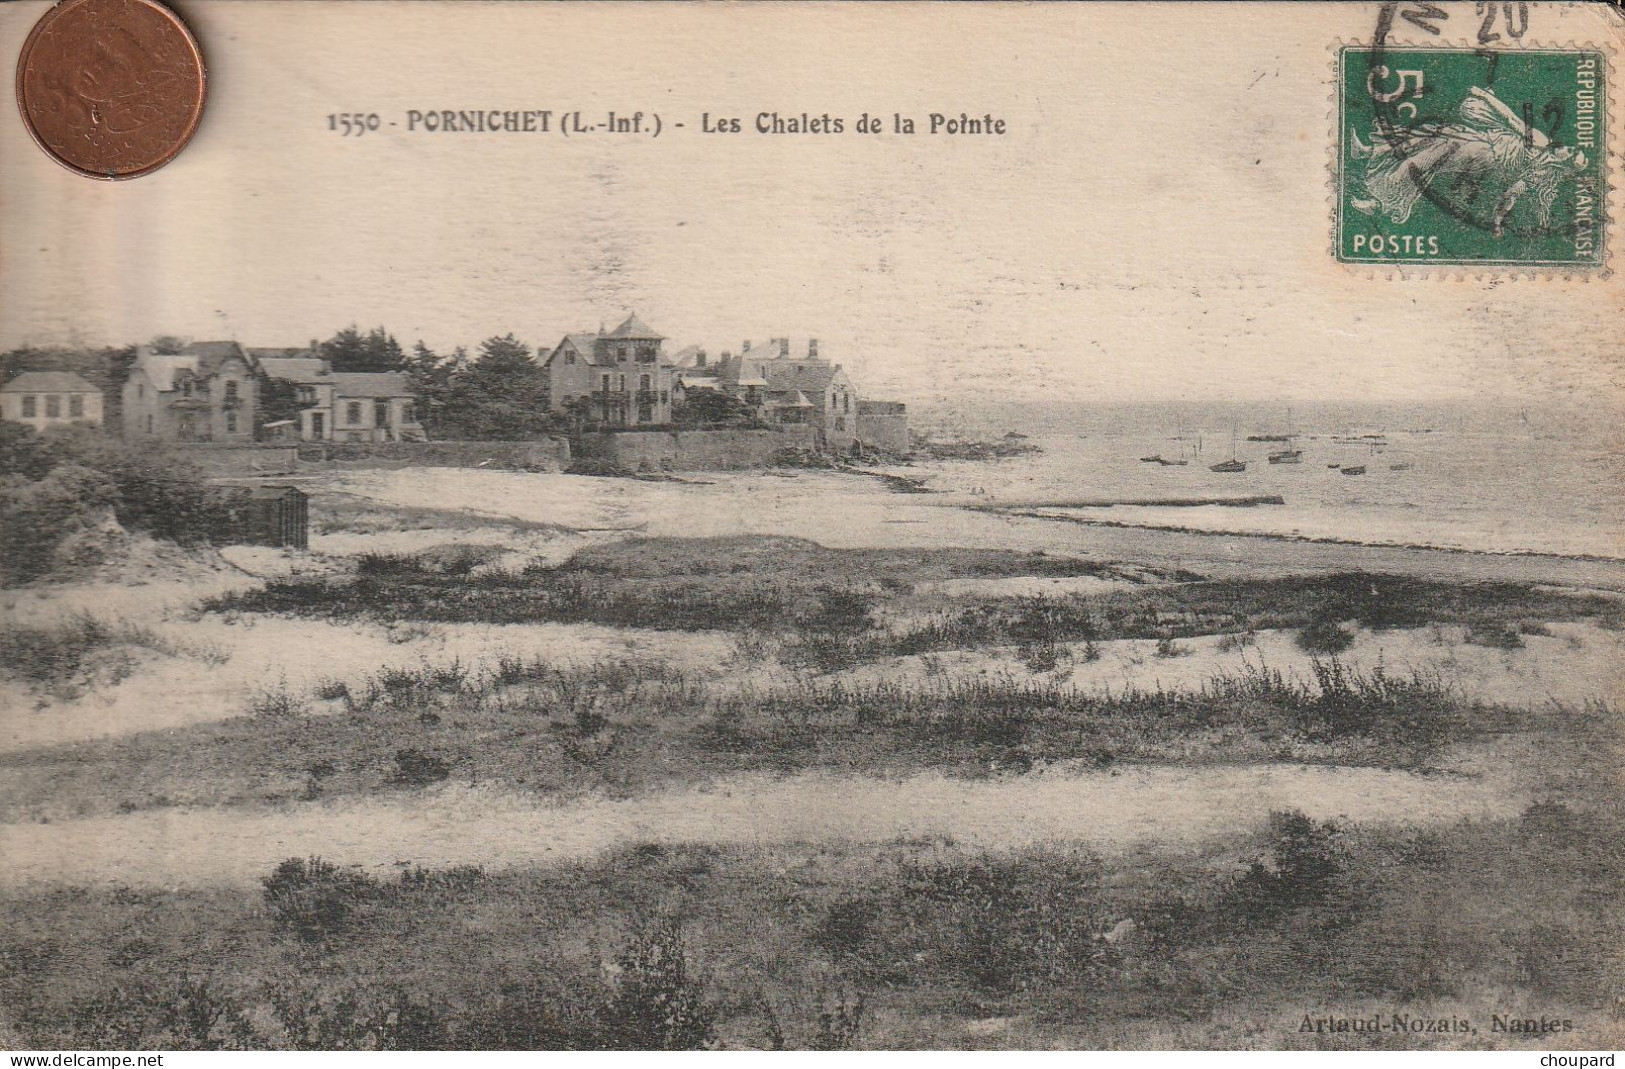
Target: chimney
[743, 349]
[699, 358]
[315, 345]
[812, 348]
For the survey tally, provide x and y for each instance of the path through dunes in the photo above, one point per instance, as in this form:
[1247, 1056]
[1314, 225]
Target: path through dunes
[1106, 810]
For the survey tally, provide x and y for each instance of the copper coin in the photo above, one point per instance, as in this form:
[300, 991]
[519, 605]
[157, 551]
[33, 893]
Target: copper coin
[111, 88]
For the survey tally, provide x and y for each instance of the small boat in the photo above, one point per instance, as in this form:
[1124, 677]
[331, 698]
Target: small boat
[1406, 466]
[1334, 465]
[1153, 459]
[1231, 466]
[1164, 461]
[1355, 470]
[1287, 456]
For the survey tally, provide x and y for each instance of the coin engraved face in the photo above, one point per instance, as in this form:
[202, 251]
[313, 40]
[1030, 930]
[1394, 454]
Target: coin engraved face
[111, 88]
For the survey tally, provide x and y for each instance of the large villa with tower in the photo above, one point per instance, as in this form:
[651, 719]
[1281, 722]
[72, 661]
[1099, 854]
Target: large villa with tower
[614, 379]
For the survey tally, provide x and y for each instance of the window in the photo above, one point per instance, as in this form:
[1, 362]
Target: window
[620, 383]
[620, 353]
[231, 422]
[846, 402]
[409, 412]
[380, 413]
[53, 406]
[186, 388]
[30, 406]
[231, 391]
[645, 383]
[76, 405]
[149, 422]
[352, 413]
[570, 357]
[665, 397]
[140, 390]
[606, 383]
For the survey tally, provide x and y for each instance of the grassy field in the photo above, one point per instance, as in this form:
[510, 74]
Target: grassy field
[825, 946]
[626, 727]
[630, 726]
[829, 608]
[1230, 940]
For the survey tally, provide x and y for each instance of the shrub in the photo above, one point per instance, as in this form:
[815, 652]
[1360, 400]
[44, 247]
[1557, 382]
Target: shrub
[186, 1014]
[1496, 634]
[839, 1021]
[1324, 636]
[847, 928]
[35, 517]
[1167, 647]
[313, 899]
[69, 478]
[357, 1018]
[657, 1004]
[1305, 862]
[330, 690]
[278, 701]
[58, 653]
[540, 1012]
[414, 768]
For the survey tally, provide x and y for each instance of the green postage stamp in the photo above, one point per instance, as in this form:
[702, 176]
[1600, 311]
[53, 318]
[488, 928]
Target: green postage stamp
[1482, 157]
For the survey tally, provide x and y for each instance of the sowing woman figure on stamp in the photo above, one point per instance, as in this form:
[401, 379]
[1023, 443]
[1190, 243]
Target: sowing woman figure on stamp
[1491, 149]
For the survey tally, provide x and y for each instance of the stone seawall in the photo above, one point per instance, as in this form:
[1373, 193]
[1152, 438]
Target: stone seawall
[697, 450]
[550, 454]
[217, 461]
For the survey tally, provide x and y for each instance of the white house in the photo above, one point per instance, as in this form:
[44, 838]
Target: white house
[44, 399]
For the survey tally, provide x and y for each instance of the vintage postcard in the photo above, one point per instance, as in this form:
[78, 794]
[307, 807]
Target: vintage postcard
[822, 526]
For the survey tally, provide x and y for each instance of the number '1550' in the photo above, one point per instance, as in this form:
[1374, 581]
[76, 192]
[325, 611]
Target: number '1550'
[355, 123]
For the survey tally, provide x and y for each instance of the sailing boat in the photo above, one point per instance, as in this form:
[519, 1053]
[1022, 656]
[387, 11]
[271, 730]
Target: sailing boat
[1291, 454]
[1231, 466]
[1176, 462]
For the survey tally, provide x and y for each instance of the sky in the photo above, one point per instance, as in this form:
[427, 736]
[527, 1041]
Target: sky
[1155, 224]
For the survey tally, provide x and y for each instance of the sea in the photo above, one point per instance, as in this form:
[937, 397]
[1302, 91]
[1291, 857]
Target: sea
[1500, 478]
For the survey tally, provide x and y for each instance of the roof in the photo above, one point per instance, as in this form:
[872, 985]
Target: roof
[261, 352]
[811, 377]
[685, 357]
[211, 354]
[295, 368]
[371, 384]
[49, 382]
[217, 349]
[789, 399]
[635, 328]
[162, 368]
[581, 343]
